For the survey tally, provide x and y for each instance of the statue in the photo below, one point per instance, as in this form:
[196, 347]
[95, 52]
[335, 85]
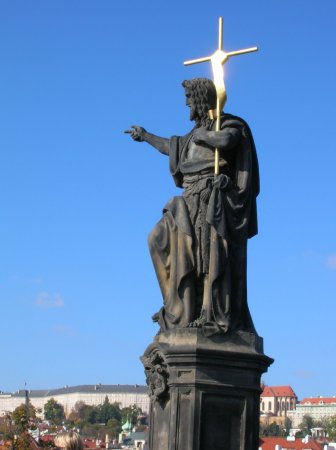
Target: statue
[203, 368]
[199, 246]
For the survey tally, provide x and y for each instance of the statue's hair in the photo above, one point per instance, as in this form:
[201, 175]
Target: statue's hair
[203, 94]
[69, 441]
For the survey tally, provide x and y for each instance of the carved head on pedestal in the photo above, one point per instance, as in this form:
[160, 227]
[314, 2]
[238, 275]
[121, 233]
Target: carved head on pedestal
[157, 375]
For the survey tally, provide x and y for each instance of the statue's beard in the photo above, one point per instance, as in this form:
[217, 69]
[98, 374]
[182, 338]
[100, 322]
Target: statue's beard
[201, 121]
[195, 116]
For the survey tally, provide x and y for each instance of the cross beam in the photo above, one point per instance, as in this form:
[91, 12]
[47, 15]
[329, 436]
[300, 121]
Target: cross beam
[218, 59]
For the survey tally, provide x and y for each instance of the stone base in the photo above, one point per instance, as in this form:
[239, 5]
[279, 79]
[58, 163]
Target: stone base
[205, 392]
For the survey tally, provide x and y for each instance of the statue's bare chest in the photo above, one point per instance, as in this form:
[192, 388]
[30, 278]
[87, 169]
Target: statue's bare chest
[197, 152]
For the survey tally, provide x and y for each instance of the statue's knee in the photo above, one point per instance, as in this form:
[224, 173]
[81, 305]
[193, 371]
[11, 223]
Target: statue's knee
[154, 237]
[151, 240]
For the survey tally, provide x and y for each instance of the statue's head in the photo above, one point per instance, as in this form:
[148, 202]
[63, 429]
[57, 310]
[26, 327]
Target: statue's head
[200, 97]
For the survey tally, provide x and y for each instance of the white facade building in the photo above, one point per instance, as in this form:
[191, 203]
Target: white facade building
[318, 408]
[125, 395]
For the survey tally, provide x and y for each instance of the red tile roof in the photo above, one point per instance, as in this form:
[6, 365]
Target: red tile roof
[278, 391]
[269, 443]
[92, 444]
[317, 400]
[47, 438]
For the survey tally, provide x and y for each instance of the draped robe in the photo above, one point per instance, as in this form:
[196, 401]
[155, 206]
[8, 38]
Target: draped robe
[203, 235]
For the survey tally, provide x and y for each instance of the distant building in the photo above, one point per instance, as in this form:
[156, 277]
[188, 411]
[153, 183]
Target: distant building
[277, 400]
[125, 395]
[280, 443]
[317, 407]
[139, 439]
[126, 430]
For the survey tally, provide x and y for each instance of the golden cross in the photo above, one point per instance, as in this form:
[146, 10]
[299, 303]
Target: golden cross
[218, 59]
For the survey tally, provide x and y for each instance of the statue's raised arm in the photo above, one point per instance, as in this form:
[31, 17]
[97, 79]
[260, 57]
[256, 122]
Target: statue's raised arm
[139, 134]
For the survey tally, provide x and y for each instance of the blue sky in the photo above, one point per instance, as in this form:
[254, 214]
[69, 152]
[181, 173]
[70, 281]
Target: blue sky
[78, 197]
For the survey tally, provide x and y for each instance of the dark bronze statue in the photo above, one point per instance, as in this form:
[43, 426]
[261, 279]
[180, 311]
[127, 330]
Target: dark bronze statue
[199, 246]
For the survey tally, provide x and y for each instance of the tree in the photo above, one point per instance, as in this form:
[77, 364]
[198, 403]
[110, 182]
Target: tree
[97, 421]
[89, 414]
[331, 428]
[23, 442]
[270, 430]
[307, 424]
[92, 430]
[22, 415]
[132, 413]
[75, 415]
[7, 427]
[109, 411]
[287, 425]
[54, 412]
[78, 410]
[114, 427]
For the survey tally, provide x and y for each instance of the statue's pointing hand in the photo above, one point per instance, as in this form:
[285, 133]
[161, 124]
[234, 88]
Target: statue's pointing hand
[137, 134]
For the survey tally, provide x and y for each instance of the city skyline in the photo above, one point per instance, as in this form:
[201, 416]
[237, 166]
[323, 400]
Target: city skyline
[135, 385]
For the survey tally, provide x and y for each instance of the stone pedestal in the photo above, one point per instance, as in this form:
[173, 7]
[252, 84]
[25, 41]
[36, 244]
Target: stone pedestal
[204, 391]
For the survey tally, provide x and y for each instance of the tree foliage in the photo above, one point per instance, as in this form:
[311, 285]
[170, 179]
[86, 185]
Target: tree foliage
[54, 412]
[6, 427]
[306, 425]
[14, 426]
[131, 413]
[114, 426]
[108, 411]
[82, 413]
[102, 419]
[23, 442]
[22, 415]
[271, 430]
[331, 428]
[287, 425]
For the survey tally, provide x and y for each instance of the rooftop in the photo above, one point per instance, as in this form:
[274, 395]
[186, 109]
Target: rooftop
[278, 391]
[269, 443]
[318, 401]
[85, 388]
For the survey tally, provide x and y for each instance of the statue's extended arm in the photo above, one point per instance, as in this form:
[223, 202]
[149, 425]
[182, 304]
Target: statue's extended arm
[139, 134]
[225, 139]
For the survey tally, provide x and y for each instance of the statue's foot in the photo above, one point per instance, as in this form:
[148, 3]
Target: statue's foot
[198, 323]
